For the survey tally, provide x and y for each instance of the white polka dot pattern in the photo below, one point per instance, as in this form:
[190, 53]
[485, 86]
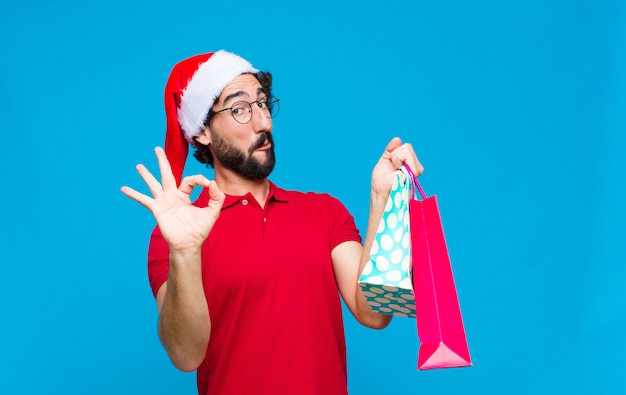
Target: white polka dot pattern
[386, 279]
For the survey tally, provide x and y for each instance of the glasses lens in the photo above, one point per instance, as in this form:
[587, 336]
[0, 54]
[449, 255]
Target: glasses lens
[241, 112]
[274, 107]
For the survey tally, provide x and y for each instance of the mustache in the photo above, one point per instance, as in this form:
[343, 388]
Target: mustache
[265, 138]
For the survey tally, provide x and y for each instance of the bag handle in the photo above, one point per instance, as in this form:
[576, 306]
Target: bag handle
[414, 182]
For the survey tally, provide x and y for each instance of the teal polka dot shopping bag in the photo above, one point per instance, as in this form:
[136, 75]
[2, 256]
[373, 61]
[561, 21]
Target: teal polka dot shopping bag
[386, 279]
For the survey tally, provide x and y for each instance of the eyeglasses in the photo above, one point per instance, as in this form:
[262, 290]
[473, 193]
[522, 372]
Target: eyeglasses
[242, 110]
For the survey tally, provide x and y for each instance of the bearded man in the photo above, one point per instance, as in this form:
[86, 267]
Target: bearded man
[248, 278]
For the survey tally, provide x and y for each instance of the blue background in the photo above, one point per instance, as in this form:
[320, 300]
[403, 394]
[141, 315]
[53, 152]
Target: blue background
[516, 109]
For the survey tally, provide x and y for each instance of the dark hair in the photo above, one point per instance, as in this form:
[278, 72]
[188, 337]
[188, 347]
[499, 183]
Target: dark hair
[203, 154]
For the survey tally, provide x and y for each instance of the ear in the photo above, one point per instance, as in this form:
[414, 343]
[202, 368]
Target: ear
[204, 138]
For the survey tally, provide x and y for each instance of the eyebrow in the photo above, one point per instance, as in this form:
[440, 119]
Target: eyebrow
[233, 95]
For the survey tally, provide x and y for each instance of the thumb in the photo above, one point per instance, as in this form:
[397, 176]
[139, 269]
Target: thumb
[392, 145]
[216, 195]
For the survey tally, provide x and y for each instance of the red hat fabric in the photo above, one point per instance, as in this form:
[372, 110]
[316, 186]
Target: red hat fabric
[191, 90]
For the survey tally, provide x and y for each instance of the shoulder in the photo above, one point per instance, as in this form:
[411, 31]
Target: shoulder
[310, 198]
[320, 206]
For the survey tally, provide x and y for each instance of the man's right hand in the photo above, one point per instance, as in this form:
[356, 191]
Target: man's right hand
[183, 225]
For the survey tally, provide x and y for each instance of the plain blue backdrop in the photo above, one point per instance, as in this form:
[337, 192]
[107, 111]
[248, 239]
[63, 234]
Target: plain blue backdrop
[516, 109]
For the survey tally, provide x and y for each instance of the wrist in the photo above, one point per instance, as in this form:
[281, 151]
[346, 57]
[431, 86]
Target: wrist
[185, 253]
[378, 199]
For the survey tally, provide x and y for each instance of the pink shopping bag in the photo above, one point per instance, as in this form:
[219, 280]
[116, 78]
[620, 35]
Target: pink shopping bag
[439, 323]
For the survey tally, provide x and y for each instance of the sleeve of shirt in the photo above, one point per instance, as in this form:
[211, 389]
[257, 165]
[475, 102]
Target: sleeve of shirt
[343, 227]
[158, 260]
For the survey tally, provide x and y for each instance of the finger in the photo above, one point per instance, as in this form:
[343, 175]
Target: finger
[167, 177]
[412, 161]
[139, 197]
[188, 183]
[415, 166]
[152, 183]
[400, 154]
[406, 154]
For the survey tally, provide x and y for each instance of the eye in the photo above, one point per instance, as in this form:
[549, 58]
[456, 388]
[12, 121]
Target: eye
[262, 104]
[239, 108]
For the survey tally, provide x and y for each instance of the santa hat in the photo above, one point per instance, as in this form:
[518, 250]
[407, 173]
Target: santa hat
[192, 88]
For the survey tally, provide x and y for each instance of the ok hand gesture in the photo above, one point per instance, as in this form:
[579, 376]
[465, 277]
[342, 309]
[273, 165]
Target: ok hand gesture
[183, 225]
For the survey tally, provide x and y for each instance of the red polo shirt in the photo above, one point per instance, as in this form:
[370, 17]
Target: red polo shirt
[276, 322]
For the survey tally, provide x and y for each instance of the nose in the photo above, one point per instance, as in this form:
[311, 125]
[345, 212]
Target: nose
[261, 119]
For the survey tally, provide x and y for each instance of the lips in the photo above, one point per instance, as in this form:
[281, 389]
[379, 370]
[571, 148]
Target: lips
[264, 143]
[265, 146]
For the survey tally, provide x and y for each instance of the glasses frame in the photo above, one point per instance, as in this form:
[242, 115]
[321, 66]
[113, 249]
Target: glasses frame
[269, 103]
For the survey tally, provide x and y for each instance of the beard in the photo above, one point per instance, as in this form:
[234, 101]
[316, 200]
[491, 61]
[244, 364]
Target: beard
[244, 163]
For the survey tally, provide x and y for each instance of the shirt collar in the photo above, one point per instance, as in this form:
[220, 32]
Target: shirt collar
[276, 193]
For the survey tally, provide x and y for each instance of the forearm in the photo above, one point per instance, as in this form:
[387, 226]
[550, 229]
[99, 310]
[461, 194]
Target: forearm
[377, 208]
[184, 322]
[368, 316]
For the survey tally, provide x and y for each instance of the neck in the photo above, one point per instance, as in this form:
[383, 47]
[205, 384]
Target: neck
[234, 184]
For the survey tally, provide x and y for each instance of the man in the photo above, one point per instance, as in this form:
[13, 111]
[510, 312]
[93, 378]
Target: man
[247, 279]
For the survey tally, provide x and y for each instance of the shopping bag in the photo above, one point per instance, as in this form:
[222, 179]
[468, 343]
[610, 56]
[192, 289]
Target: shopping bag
[386, 278]
[440, 330]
